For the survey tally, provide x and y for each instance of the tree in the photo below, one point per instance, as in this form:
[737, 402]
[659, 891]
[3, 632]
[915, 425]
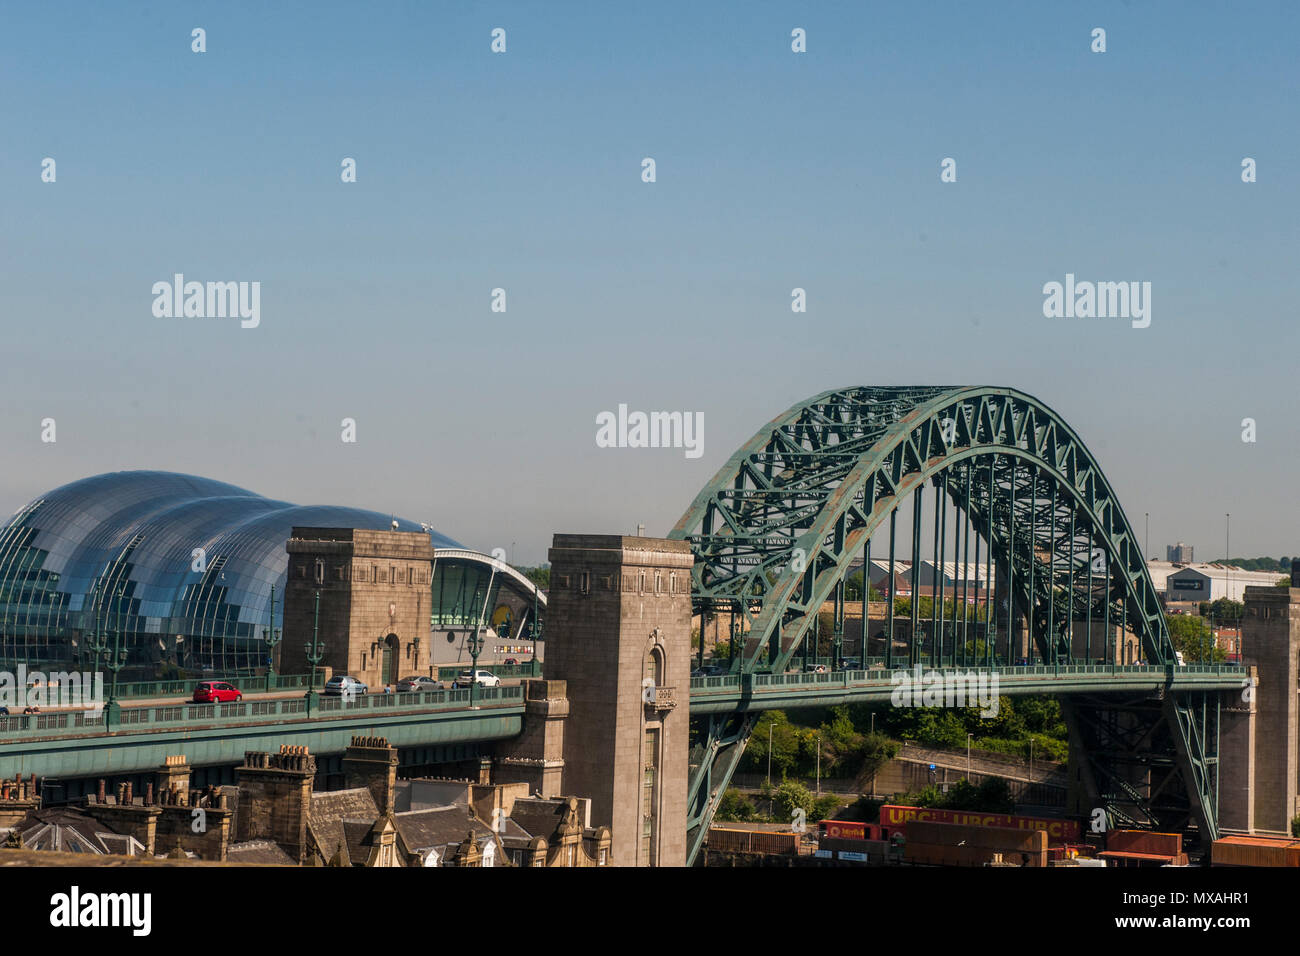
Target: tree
[1223, 610]
[1192, 637]
[540, 576]
[789, 797]
[785, 744]
[825, 806]
[735, 806]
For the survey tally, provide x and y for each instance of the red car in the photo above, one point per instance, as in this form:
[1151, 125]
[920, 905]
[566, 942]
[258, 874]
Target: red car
[216, 692]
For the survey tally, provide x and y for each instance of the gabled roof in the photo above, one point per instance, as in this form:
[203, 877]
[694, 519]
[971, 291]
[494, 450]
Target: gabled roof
[438, 827]
[330, 810]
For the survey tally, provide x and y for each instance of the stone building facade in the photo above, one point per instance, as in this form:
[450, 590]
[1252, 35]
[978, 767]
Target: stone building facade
[374, 610]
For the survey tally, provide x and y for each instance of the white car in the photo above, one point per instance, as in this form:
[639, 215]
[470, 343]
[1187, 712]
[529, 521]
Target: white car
[482, 678]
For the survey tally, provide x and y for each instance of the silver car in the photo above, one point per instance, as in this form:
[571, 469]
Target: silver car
[343, 685]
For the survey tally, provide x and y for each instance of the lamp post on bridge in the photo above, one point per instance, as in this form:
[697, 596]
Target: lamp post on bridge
[475, 644]
[315, 652]
[270, 637]
[113, 657]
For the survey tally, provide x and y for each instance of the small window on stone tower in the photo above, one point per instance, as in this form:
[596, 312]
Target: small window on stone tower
[320, 571]
[585, 585]
[641, 585]
[672, 582]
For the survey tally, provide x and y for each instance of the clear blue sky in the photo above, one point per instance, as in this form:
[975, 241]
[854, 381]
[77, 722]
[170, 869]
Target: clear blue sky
[522, 171]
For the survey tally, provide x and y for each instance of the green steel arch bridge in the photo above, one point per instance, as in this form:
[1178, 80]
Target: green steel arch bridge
[1012, 489]
[1009, 487]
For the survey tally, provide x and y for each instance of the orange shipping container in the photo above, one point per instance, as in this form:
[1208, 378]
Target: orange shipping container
[1144, 841]
[728, 840]
[1254, 851]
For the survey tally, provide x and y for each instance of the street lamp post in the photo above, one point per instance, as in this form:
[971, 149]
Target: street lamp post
[475, 644]
[270, 637]
[315, 652]
[115, 660]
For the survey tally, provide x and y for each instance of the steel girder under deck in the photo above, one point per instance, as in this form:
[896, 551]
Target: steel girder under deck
[777, 528]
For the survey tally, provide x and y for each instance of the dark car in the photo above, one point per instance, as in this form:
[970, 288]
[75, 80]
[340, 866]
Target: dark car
[417, 684]
[216, 692]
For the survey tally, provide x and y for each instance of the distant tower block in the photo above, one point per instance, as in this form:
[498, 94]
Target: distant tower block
[618, 632]
[374, 602]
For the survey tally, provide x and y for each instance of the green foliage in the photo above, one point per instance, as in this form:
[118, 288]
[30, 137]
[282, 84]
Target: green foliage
[1223, 611]
[1017, 720]
[1192, 636]
[735, 806]
[1258, 564]
[791, 795]
[785, 745]
[540, 575]
[825, 807]
[991, 796]
[853, 589]
[1295, 826]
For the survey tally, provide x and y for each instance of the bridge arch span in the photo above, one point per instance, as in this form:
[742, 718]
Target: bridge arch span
[778, 528]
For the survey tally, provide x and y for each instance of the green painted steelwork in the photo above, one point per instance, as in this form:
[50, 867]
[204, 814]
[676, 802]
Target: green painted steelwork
[760, 692]
[777, 528]
[74, 745]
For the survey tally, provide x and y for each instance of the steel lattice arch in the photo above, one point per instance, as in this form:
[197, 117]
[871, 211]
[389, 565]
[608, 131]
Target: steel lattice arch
[776, 530]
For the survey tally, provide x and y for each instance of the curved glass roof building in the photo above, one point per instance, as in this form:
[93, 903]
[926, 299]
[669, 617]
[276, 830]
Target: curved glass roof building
[119, 553]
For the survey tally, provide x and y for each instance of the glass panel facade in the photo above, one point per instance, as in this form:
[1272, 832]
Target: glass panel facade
[113, 558]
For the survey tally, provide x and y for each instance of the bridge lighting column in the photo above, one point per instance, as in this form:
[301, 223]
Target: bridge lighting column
[314, 653]
[270, 637]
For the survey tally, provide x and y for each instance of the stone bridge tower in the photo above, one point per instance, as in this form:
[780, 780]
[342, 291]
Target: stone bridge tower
[375, 589]
[618, 632]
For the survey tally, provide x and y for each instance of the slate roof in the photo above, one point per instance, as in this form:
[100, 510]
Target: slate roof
[258, 851]
[331, 810]
[438, 827]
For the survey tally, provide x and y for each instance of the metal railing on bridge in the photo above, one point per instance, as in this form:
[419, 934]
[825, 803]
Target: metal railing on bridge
[171, 716]
[876, 674]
